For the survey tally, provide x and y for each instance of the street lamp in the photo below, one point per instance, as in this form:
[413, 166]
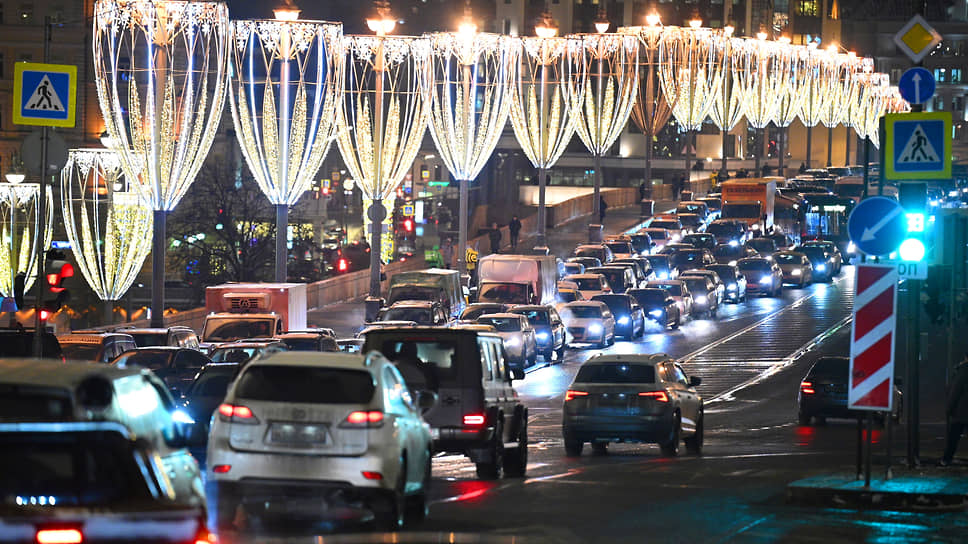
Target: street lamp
[541, 111]
[470, 99]
[382, 119]
[609, 86]
[286, 79]
[160, 68]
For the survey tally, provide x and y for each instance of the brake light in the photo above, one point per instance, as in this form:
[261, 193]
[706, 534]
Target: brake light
[59, 536]
[807, 388]
[236, 414]
[474, 420]
[221, 469]
[659, 396]
[363, 418]
[571, 394]
[205, 536]
[370, 475]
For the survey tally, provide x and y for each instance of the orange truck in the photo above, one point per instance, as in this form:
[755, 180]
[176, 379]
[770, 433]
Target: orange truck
[751, 201]
[252, 310]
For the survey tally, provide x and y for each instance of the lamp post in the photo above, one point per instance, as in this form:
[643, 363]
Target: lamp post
[691, 69]
[470, 100]
[729, 102]
[651, 108]
[610, 83]
[107, 221]
[382, 119]
[160, 68]
[286, 79]
[767, 72]
[790, 98]
[541, 111]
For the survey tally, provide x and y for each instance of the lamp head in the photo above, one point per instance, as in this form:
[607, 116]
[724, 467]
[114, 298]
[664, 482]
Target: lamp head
[546, 27]
[727, 30]
[467, 25]
[601, 20]
[653, 19]
[695, 23]
[784, 40]
[381, 22]
[286, 11]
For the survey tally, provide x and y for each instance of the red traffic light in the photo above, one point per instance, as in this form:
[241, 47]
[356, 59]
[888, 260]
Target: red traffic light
[45, 314]
[54, 279]
[342, 265]
[408, 225]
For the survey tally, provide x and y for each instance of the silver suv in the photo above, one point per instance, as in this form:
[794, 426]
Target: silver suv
[303, 433]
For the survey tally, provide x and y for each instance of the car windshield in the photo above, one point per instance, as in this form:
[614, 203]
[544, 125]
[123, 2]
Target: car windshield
[81, 352]
[617, 304]
[567, 296]
[588, 284]
[304, 384]
[787, 258]
[850, 189]
[757, 265]
[502, 324]
[666, 224]
[587, 262]
[700, 240]
[689, 208]
[649, 297]
[597, 252]
[831, 367]
[780, 240]
[582, 312]
[712, 203]
[620, 247]
[696, 285]
[422, 316]
[89, 469]
[658, 261]
[613, 276]
[473, 312]
[762, 245]
[615, 373]
[152, 360]
[673, 289]
[227, 329]
[641, 242]
[535, 317]
[213, 381]
[574, 268]
[723, 271]
[146, 339]
[726, 250]
[233, 354]
[505, 293]
[412, 292]
[310, 344]
[658, 234]
[690, 220]
[724, 229]
[686, 257]
[814, 253]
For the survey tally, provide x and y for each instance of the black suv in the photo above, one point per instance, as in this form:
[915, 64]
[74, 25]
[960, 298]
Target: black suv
[478, 412]
[19, 342]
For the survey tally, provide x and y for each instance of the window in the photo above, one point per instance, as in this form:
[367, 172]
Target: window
[940, 75]
[958, 103]
[896, 74]
[26, 14]
[955, 76]
[938, 103]
[806, 8]
[487, 358]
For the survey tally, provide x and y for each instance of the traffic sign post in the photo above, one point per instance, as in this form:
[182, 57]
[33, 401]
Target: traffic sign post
[917, 146]
[877, 225]
[917, 38]
[44, 94]
[916, 85]
[872, 339]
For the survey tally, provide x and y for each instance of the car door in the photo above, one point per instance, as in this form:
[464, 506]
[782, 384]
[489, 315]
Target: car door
[689, 403]
[186, 364]
[503, 379]
[557, 328]
[398, 403]
[181, 468]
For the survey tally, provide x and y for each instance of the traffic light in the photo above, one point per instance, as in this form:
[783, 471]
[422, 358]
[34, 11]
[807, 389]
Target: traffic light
[58, 270]
[913, 197]
[408, 224]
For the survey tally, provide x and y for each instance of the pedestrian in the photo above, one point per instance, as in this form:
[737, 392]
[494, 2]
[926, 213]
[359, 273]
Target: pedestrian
[514, 229]
[495, 236]
[447, 252]
[641, 191]
[957, 411]
[602, 206]
[803, 167]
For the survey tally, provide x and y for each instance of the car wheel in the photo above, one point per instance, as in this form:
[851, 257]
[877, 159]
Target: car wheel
[600, 448]
[561, 353]
[533, 359]
[676, 323]
[803, 419]
[604, 342]
[714, 312]
[694, 442]
[389, 511]
[516, 460]
[573, 446]
[671, 448]
[611, 340]
[548, 355]
[492, 469]
[226, 512]
[417, 503]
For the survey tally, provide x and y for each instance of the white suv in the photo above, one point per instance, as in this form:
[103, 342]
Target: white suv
[302, 434]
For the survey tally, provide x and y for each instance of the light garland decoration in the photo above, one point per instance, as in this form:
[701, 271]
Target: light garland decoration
[161, 67]
[107, 222]
[691, 71]
[816, 74]
[19, 226]
[611, 82]
[382, 119]
[855, 107]
[470, 100]
[730, 100]
[541, 111]
[769, 71]
[651, 108]
[839, 81]
[790, 101]
[286, 79]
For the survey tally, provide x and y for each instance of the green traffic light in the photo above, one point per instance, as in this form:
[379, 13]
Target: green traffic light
[912, 250]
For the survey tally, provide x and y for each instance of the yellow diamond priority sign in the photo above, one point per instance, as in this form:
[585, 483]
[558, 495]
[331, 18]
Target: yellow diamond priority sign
[917, 38]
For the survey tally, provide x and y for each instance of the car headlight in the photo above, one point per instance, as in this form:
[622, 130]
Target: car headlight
[820, 268]
[663, 275]
[624, 320]
[766, 279]
[675, 237]
[655, 313]
[595, 328]
[797, 272]
[542, 336]
[701, 299]
[851, 248]
[732, 263]
[731, 287]
[181, 416]
[769, 257]
[514, 342]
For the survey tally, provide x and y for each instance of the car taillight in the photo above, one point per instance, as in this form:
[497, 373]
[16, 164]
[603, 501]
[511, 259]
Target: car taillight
[59, 536]
[204, 536]
[571, 394]
[370, 475]
[364, 419]
[474, 420]
[807, 388]
[659, 396]
[221, 469]
[236, 414]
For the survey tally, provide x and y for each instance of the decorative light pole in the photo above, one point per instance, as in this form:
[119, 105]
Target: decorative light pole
[382, 119]
[160, 68]
[730, 100]
[839, 83]
[286, 79]
[541, 106]
[470, 99]
[791, 98]
[691, 70]
[767, 72]
[611, 83]
[651, 108]
[107, 221]
[814, 87]
[19, 227]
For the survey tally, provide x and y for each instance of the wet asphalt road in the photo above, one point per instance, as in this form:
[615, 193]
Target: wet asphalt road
[751, 358]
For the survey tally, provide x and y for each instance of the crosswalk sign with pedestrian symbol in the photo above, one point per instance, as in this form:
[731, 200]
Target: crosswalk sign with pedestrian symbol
[917, 145]
[44, 94]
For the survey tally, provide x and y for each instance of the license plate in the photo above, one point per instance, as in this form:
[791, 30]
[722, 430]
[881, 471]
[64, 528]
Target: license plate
[297, 434]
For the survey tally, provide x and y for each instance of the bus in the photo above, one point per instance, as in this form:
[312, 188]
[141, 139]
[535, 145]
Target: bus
[825, 218]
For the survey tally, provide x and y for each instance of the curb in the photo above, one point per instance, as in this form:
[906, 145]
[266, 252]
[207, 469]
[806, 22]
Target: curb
[921, 494]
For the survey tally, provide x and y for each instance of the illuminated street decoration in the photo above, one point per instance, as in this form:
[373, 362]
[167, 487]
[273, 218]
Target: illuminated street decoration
[790, 100]
[286, 80]
[470, 100]
[160, 68]
[107, 222]
[839, 82]
[816, 90]
[602, 108]
[768, 72]
[729, 101]
[855, 111]
[18, 233]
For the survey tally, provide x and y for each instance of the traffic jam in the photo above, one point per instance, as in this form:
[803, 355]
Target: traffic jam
[262, 417]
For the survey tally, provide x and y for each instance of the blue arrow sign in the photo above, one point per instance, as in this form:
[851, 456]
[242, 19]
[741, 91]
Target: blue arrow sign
[877, 225]
[916, 85]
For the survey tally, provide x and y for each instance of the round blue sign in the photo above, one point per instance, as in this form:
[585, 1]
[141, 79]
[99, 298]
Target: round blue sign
[916, 85]
[877, 226]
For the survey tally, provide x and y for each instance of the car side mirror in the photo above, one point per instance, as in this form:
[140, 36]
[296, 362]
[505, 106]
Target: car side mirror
[694, 381]
[426, 400]
[516, 374]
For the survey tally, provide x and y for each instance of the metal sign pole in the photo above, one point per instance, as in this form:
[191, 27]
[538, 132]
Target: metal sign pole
[870, 444]
[41, 209]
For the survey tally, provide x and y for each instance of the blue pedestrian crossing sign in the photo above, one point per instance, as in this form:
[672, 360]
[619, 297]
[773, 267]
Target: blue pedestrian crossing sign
[917, 145]
[44, 94]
